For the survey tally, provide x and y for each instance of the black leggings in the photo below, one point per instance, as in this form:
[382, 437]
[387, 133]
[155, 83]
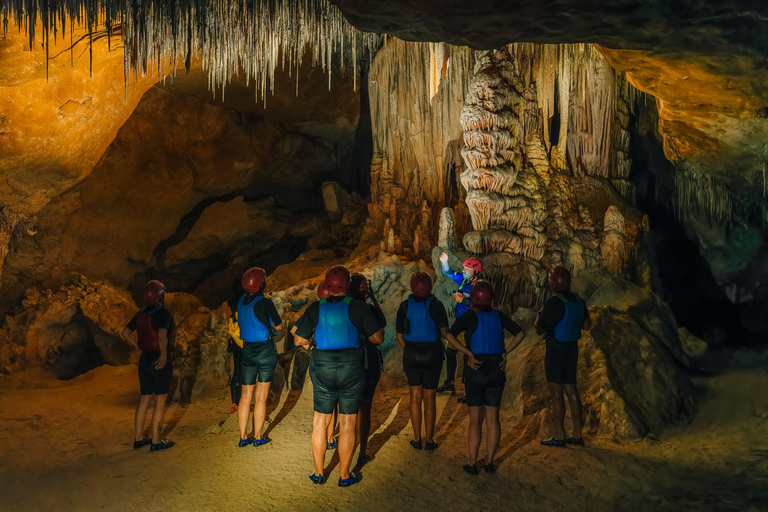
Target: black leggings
[235, 387]
[450, 364]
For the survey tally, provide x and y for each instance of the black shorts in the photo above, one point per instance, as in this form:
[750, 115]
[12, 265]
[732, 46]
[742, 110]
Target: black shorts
[560, 362]
[338, 377]
[485, 385]
[422, 363]
[258, 362]
[151, 381]
[372, 370]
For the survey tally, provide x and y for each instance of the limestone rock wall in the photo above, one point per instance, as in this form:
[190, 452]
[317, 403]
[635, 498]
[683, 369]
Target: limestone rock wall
[546, 152]
[416, 94]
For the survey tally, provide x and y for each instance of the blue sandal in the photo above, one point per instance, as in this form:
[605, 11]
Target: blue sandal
[162, 445]
[261, 442]
[346, 482]
[331, 446]
[243, 443]
[554, 442]
[317, 480]
[141, 444]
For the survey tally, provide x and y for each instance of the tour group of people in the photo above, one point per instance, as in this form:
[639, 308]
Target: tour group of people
[343, 331]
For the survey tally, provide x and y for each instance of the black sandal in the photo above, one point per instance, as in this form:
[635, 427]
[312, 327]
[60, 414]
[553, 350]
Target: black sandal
[472, 470]
[162, 445]
[490, 468]
[430, 446]
[554, 442]
[416, 444]
[575, 441]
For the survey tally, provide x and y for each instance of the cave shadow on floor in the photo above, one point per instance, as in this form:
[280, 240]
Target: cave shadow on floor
[178, 412]
[518, 436]
[285, 410]
[452, 416]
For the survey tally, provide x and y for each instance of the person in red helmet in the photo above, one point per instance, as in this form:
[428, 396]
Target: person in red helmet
[257, 320]
[485, 377]
[422, 323]
[336, 367]
[360, 289]
[471, 272]
[561, 321]
[153, 331]
[322, 293]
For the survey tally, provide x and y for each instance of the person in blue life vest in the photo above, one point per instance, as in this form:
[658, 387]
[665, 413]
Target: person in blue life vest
[360, 289]
[561, 321]
[336, 367]
[322, 293]
[257, 321]
[153, 331]
[486, 352]
[422, 323]
[470, 274]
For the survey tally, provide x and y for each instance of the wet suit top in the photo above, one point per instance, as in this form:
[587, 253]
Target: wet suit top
[468, 324]
[553, 313]
[436, 312]
[360, 316]
[264, 310]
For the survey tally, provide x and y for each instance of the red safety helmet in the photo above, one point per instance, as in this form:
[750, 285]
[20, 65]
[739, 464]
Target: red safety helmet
[153, 293]
[559, 279]
[475, 264]
[481, 294]
[322, 291]
[421, 285]
[254, 280]
[358, 286]
[337, 279]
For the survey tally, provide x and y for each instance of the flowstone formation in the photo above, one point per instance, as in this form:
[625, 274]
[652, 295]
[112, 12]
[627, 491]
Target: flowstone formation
[546, 152]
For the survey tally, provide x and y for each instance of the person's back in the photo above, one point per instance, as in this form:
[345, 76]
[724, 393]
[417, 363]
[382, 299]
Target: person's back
[153, 331]
[336, 366]
[561, 321]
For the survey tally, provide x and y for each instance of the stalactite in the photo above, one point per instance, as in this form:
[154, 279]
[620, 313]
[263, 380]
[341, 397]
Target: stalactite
[696, 192]
[252, 37]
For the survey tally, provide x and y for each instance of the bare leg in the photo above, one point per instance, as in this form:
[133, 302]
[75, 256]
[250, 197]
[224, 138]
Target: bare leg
[331, 428]
[416, 398]
[141, 415]
[244, 410]
[319, 426]
[558, 409]
[260, 409]
[346, 442]
[430, 413]
[574, 402]
[157, 418]
[492, 432]
[364, 419]
[475, 433]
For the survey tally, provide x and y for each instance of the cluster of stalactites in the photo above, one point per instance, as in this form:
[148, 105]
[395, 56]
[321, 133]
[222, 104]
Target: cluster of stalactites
[700, 193]
[253, 38]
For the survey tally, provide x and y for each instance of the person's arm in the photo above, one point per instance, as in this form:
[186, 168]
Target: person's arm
[457, 277]
[400, 340]
[400, 320]
[129, 335]
[305, 326]
[162, 339]
[444, 333]
[377, 338]
[453, 342]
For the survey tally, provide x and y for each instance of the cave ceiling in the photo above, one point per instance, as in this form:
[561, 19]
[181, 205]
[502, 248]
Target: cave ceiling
[703, 60]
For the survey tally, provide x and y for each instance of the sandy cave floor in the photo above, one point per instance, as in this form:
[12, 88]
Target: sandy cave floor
[67, 446]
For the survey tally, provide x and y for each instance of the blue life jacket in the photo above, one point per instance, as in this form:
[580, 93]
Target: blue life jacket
[488, 338]
[568, 330]
[423, 326]
[251, 329]
[334, 328]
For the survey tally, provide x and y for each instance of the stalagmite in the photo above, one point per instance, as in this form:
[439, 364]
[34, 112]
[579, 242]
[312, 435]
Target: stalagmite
[612, 240]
